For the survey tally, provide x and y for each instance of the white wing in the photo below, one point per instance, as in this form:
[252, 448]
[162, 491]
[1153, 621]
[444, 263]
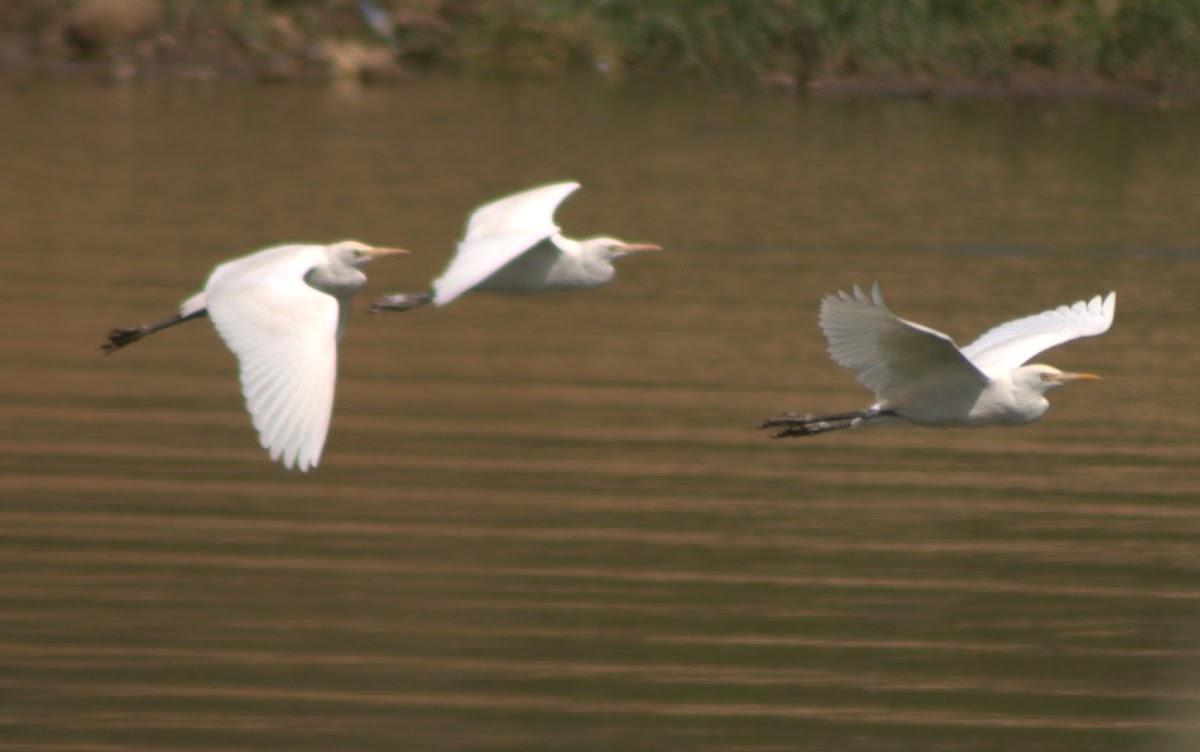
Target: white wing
[284, 334]
[497, 233]
[520, 211]
[1011, 344]
[890, 356]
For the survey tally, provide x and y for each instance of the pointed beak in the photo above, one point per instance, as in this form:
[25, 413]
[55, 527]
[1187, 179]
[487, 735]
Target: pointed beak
[1067, 376]
[381, 251]
[636, 247]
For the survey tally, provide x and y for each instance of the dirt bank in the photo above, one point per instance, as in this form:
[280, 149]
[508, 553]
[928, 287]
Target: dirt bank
[1127, 50]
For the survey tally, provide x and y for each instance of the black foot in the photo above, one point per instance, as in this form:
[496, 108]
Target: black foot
[118, 338]
[399, 302]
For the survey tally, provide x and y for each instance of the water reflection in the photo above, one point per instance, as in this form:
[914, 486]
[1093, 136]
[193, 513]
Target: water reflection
[550, 522]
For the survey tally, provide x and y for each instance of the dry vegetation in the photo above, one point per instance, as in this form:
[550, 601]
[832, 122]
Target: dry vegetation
[1153, 44]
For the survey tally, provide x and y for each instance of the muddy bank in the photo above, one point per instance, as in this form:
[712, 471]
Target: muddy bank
[1125, 50]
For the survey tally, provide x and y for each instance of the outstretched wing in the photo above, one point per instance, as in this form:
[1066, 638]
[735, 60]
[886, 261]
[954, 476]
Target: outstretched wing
[284, 334]
[890, 356]
[1011, 344]
[497, 233]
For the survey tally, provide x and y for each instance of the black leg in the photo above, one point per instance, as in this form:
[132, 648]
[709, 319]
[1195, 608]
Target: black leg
[812, 428]
[400, 302]
[118, 338]
[807, 424]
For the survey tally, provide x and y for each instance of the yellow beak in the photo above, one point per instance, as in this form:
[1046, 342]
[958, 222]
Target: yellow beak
[635, 247]
[379, 251]
[1065, 377]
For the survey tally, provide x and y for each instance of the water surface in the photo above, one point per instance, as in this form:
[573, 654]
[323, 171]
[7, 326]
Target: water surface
[551, 523]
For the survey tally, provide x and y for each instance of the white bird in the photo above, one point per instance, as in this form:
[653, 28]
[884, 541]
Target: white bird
[512, 246]
[919, 376]
[281, 311]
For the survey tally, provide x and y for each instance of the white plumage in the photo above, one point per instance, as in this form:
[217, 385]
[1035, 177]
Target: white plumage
[1011, 344]
[499, 232]
[512, 245]
[919, 376]
[281, 311]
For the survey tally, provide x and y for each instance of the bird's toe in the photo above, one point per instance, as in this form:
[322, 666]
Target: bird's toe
[118, 338]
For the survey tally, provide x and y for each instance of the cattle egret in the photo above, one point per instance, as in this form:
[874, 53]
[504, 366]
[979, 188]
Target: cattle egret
[281, 311]
[513, 246]
[919, 375]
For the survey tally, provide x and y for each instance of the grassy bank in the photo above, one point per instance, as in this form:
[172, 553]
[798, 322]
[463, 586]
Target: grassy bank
[1146, 39]
[1151, 43]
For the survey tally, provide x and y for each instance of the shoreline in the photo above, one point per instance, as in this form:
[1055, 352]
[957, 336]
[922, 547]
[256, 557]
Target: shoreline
[1127, 53]
[1032, 86]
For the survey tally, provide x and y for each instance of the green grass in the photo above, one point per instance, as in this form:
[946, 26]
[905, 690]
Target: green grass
[1154, 41]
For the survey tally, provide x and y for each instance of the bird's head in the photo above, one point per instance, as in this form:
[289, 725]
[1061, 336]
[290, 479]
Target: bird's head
[354, 253]
[1042, 378]
[611, 249]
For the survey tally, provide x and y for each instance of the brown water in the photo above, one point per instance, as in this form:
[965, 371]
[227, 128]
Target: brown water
[551, 523]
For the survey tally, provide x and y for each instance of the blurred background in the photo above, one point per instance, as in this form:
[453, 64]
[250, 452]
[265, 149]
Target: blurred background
[551, 522]
[1115, 48]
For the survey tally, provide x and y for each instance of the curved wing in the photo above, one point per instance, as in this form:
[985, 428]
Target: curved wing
[1011, 344]
[889, 355]
[496, 234]
[284, 334]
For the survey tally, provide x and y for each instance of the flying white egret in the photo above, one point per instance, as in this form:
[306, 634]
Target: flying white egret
[919, 375]
[513, 246]
[281, 311]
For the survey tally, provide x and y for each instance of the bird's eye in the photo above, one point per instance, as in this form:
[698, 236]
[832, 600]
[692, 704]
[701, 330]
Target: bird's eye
[1046, 376]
